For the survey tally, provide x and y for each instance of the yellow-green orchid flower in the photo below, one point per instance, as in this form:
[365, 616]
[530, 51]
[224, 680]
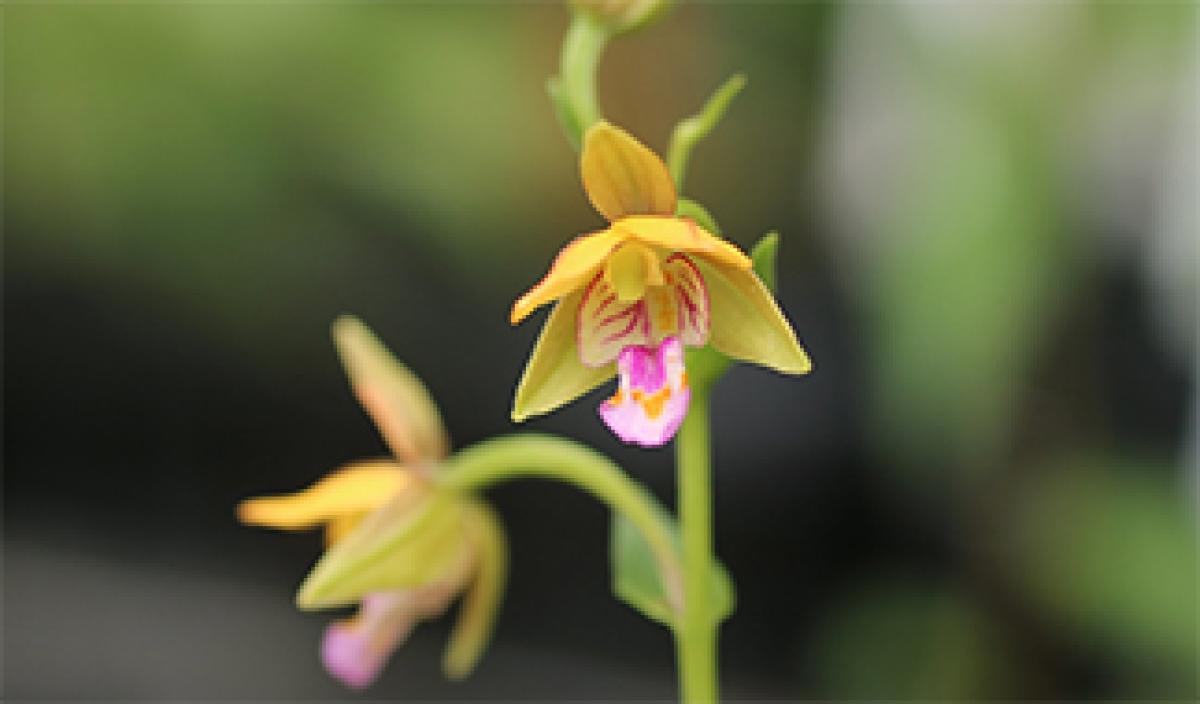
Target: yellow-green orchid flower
[398, 544]
[631, 296]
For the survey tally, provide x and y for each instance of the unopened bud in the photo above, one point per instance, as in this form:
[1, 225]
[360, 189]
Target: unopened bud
[623, 15]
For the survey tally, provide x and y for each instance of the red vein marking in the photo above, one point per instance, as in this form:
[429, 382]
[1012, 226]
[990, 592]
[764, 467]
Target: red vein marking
[626, 330]
[617, 316]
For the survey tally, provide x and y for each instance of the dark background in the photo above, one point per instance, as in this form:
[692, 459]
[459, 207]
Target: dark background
[987, 489]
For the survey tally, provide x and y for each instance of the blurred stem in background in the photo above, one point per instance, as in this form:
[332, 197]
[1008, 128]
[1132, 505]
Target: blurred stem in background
[573, 91]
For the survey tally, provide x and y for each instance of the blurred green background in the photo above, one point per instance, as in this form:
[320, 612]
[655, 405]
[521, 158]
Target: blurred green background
[987, 489]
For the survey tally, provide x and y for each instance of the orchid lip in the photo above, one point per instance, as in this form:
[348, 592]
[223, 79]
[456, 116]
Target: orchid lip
[355, 650]
[652, 397]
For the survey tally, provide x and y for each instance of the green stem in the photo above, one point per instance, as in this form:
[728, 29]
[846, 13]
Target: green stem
[535, 455]
[574, 89]
[696, 634]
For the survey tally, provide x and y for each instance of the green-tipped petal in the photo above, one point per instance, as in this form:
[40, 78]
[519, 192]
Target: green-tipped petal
[393, 396]
[417, 539]
[746, 322]
[477, 614]
[554, 375]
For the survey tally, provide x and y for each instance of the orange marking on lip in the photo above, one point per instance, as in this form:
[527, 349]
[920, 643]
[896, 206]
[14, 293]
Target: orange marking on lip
[653, 406]
[617, 399]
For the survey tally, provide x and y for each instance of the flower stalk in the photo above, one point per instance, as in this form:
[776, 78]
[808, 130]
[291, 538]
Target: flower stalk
[535, 455]
[696, 634]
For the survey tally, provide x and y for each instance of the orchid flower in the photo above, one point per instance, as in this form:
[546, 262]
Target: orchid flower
[398, 544]
[629, 299]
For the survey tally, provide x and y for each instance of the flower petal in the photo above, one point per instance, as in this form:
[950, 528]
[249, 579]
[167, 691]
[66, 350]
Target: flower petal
[418, 540]
[682, 235]
[678, 306]
[747, 323]
[477, 614]
[692, 306]
[395, 399]
[554, 374]
[605, 324]
[653, 395]
[356, 649]
[340, 526]
[350, 491]
[622, 176]
[574, 266]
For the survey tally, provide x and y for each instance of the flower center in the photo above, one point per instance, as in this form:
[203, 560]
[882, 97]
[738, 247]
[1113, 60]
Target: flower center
[671, 301]
[630, 269]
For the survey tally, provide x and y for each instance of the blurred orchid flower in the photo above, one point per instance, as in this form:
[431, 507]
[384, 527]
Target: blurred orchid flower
[399, 545]
[632, 296]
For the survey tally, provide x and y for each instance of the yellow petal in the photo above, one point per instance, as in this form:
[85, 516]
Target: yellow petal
[682, 235]
[554, 374]
[395, 399]
[339, 527]
[622, 176]
[572, 269]
[477, 614]
[350, 491]
[747, 323]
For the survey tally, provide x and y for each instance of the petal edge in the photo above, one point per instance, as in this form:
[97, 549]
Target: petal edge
[622, 176]
[572, 268]
[392, 395]
[554, 373]
[351, 490]
[746, 321]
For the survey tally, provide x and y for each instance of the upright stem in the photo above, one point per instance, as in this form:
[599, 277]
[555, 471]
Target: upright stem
[696, 633]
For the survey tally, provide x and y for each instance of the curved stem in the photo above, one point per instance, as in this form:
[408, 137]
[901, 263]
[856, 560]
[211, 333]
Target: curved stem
[574, 90]
[535, 455]
[696, 638]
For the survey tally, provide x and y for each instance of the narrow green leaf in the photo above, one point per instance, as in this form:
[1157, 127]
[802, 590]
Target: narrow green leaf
[691, 130]
[637, 581]
[763, 257]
